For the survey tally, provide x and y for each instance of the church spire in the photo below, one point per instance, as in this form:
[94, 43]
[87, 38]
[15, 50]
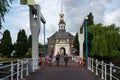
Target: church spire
[61, 21]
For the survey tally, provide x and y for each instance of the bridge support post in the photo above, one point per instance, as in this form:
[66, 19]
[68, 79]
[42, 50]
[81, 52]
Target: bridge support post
[86, 26]
[35, 30]
[35, 18]
[81, 40]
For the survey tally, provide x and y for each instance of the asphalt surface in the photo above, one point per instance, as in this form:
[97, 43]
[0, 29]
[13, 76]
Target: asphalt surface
[74, 71]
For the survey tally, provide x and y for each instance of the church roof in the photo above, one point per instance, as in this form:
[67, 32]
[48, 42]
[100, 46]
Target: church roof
[62, 34]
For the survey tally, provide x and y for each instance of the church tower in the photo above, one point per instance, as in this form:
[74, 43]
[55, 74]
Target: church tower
[61, 41]
[61, 21]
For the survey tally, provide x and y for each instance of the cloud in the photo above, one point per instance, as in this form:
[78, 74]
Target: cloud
[76, 11]
[104, 11]
[18, 18]
[113, 17]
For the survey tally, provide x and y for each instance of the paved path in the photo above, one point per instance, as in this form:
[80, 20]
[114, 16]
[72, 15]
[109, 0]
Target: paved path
[73, 72]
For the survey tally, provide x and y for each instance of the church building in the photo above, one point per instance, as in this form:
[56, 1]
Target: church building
[61, 41]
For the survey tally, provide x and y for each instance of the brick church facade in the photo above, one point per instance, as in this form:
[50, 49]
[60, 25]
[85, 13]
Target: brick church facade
[61, 41]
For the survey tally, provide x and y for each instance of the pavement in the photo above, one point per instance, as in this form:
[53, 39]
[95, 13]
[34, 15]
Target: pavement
[74, 71]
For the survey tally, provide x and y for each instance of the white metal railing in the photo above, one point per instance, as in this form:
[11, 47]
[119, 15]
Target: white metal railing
[75, 58]
[105, 71]
[16, 70]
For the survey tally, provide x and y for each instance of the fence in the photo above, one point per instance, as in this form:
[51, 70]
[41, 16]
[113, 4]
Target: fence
[105, 71]
[15, 70]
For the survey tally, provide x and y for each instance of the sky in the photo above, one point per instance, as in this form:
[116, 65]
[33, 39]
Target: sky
[104, 11]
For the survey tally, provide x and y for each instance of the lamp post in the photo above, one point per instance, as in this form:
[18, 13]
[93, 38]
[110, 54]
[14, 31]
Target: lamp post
[86, 26]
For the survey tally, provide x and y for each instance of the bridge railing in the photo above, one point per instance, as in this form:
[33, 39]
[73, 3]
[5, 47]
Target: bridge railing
[101, 69]
[15, 70]
[105, 71]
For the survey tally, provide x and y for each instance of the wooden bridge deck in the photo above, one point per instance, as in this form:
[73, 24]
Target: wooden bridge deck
[73, 72]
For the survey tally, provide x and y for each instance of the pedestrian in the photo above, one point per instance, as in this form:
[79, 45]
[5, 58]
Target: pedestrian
[66, 58]
[57, 58]
[50, 59]
[46, 60]
[41, 62]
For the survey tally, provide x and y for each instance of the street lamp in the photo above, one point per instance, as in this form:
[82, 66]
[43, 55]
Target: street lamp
[86, 26]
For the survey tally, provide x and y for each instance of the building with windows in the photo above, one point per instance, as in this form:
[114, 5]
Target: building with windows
[61, 41]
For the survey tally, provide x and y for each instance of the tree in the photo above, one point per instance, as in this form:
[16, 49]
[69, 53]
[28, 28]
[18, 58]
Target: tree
[90, 19]
[4, 8]
[76, 43]
[21, 46]
[6, 44]
[105, 42]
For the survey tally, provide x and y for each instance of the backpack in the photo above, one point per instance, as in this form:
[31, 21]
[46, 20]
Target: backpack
[66, 58]
[57, 57]
[50, 58]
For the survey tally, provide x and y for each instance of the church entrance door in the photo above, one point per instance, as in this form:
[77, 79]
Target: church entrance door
[62, 51]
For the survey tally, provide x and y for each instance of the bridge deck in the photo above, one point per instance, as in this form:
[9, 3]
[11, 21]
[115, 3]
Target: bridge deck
[73, 72]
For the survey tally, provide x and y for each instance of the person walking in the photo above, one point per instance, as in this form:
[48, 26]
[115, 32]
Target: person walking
[50, 59]
[41, 62]
[66, 58]
[46, 60]
[57, 58]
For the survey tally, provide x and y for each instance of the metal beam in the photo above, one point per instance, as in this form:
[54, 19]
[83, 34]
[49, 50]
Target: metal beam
[43, 19]
[27, 2]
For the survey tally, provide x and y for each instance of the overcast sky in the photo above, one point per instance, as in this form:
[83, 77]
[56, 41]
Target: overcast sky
[104, 11]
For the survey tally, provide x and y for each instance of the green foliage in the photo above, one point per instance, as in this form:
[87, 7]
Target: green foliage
[4, 8]
[21, 46]
[6, 46]
[105, 42]
[41, 45]
[76, 42]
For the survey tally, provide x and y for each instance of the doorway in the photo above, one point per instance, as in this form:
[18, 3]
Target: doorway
[62, 51]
